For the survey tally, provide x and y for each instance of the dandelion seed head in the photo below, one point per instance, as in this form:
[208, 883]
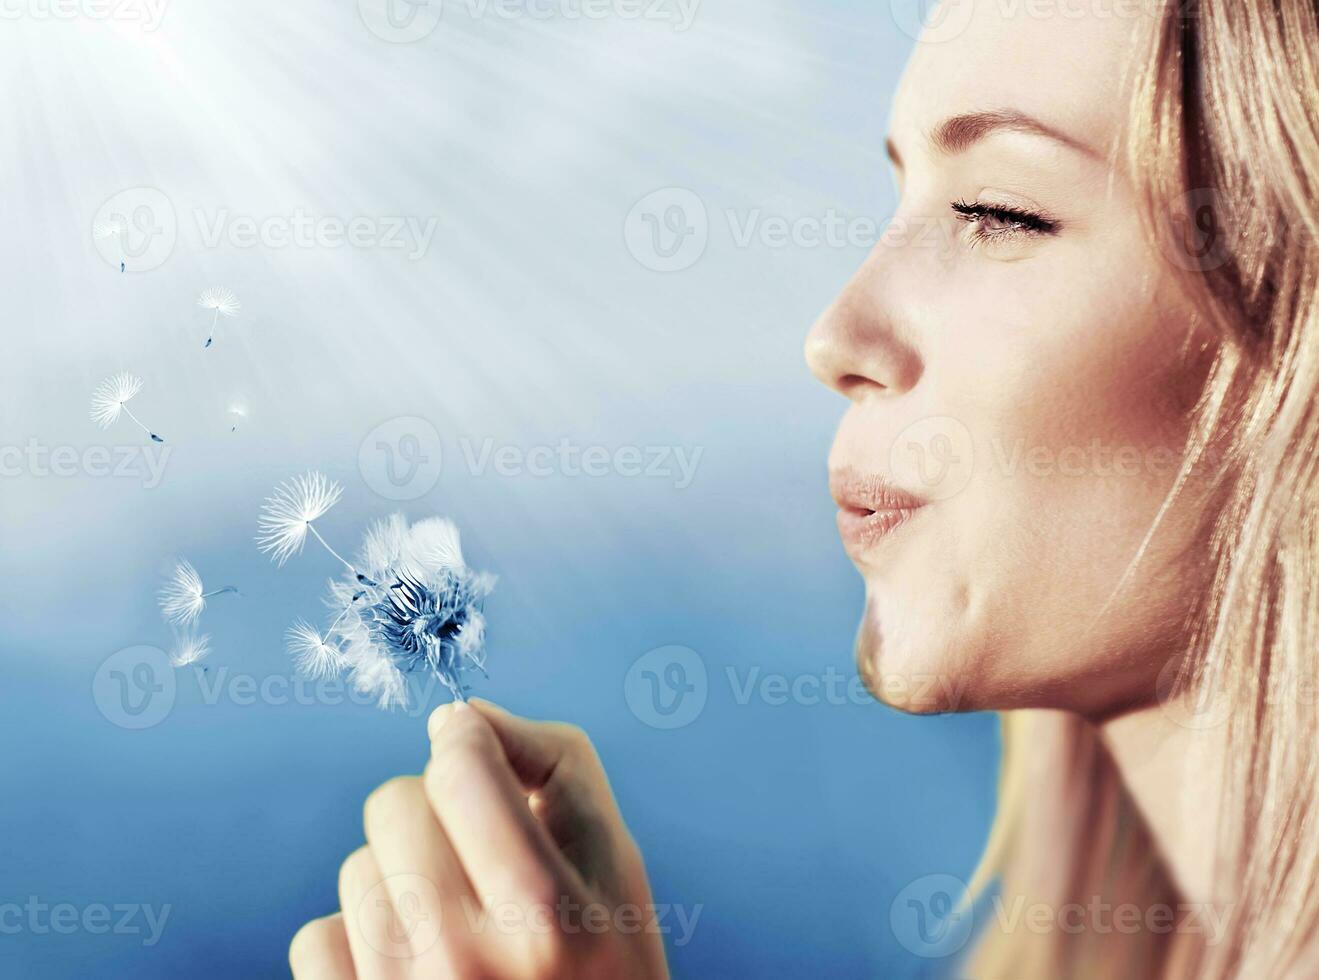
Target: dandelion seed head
[109, 228]
[376, 676]
[471, 638]
[288, 512]
[421, 549]
[383, 541]
[312, 654]
[424, 615]
[110, 396]
[433, 545]
[181, 600]
[237, 412]
[189, 648]
[220, 299]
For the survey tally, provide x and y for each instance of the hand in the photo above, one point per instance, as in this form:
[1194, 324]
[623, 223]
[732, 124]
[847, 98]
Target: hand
[507, 858]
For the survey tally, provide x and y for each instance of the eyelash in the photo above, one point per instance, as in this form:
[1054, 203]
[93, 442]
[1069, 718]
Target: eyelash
[1017, 222]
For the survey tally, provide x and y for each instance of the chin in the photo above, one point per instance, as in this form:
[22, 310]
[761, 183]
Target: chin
[911, 666]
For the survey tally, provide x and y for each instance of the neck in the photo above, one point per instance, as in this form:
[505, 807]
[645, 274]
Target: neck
[1171, 761]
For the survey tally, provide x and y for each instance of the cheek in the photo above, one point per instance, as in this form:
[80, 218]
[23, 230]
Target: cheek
[1076, 406]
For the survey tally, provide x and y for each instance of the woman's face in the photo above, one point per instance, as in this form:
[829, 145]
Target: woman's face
[1019, 365]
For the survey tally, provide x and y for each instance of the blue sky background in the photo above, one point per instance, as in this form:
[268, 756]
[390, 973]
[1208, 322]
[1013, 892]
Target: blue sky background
[533, 315]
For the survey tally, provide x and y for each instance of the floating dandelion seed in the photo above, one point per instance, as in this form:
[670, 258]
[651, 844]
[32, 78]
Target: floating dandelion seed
[111, 398]
[223, 302]
[189, 648]
[237, 412]
[183, 596]
[311, 653]
[115, 227]
[111, 228]
[417, 608]
[287, 516]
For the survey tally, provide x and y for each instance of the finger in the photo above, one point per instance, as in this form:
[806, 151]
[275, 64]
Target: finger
[535, 749]
[422, 873]
[558, 764]
[508, 855]
[320, 951]
[369, 917]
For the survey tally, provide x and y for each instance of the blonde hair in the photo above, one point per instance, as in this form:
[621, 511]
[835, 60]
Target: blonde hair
[1225, 135]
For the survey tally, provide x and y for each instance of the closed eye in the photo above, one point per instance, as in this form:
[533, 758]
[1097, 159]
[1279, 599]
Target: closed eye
[996, 223]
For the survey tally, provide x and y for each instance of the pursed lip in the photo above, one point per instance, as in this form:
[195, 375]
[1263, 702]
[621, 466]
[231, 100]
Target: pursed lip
[869, 508]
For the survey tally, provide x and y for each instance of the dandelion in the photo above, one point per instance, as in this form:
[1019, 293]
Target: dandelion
[183, 596]
[111, 398]
[189, 647]
[418, 610]
[312, 654]
[237, 412]
[115, 227]
[287, 515]
[223, 302]
[109, 228]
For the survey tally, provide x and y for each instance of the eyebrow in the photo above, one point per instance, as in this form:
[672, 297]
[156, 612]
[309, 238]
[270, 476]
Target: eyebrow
[957, 134]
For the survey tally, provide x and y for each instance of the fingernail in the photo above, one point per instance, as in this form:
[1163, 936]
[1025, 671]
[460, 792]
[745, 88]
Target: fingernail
[437, 719]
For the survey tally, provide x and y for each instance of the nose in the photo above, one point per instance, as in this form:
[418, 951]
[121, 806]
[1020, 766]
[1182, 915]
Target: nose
[857, 346]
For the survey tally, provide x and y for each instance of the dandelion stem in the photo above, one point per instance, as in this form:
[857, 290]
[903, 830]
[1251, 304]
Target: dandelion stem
[134, 418]
[138, 421]
[312, 528]
[213, 592]
[338, 619]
